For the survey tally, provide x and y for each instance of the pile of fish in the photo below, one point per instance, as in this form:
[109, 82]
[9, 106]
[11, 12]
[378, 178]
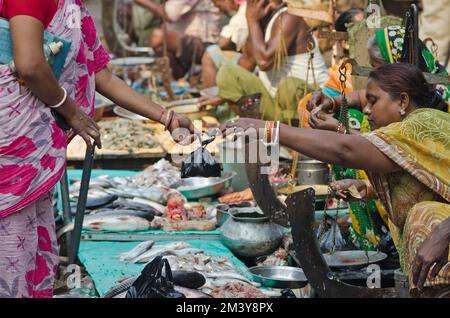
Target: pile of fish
[123, 134]
[219, 271]
[140, 202]
[162, 173]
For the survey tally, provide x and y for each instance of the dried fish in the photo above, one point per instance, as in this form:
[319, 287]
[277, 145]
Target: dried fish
[124, 134]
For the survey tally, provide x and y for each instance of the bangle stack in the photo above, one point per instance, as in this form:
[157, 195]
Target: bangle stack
[161, 116]
[271, 132]
[169, 119]
[63, 100]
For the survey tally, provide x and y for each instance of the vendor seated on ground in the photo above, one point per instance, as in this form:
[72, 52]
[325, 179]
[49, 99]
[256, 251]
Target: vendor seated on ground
[281, 87]
[406, 156]
[385, 47]
[231, 42]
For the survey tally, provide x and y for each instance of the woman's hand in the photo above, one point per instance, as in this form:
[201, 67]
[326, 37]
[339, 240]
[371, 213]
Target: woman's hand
[242, 126]
[205, 101]
[186, 133]
[432, 254]
[320, 100]
[81, 123]
[319, 119]
[349, 189]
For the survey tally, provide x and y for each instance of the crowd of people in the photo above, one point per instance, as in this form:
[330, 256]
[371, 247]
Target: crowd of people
[395, 149]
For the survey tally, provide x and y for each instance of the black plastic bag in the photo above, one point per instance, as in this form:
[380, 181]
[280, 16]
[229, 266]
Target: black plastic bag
[155, 281]
[201, 163]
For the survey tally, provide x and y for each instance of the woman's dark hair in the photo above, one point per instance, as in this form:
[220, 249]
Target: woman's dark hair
[345, 18]
[406, 78]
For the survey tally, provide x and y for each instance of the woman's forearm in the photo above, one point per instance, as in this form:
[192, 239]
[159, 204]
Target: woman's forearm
[121, 94]
[352, 151]
[31, 67]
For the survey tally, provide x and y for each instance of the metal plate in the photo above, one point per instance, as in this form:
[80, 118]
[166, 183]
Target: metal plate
[356, 258]
[194, 188]
[131, 61]
[122, 112]
[279, 276]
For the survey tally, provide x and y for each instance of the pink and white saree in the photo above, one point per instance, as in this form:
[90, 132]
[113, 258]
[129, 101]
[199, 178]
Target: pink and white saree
[33, 156]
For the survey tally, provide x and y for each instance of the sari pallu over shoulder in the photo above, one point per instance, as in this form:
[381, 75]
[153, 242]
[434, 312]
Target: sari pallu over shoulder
[420, 145]
[32, 146]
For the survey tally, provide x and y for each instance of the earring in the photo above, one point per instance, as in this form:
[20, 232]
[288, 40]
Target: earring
[402, 112]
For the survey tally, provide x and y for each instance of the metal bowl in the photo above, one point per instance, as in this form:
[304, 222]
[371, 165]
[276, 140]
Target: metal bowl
[279, 276]
[194, 188]
[351, 259]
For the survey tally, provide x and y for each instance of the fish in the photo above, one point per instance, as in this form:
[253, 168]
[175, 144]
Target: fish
[160, 250]
[162, 173]
[153, 205]
[110, 223]
[191, 293]
[136, 251]
[229, 275]
[187, 251]
[148, 215]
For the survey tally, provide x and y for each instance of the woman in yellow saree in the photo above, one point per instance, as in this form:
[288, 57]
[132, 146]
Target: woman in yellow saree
[407, 158]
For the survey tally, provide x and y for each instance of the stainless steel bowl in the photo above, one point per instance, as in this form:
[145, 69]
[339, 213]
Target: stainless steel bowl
[279, 276]
[194, 188]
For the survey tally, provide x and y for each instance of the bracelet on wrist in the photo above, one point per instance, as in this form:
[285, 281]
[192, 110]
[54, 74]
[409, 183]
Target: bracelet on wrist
[63, 100]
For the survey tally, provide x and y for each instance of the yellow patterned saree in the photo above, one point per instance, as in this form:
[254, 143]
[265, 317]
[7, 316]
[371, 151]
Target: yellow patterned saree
[416, 197]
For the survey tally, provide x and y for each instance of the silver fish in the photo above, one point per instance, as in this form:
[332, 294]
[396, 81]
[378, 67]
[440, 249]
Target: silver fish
[148, 215]
[160, 250]
[191, 293]
[136, 251]
[187, 251]
[228, 275]
[112, 223]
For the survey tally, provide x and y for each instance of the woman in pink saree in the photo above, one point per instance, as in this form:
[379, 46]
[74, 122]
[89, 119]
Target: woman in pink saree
[33, 147]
